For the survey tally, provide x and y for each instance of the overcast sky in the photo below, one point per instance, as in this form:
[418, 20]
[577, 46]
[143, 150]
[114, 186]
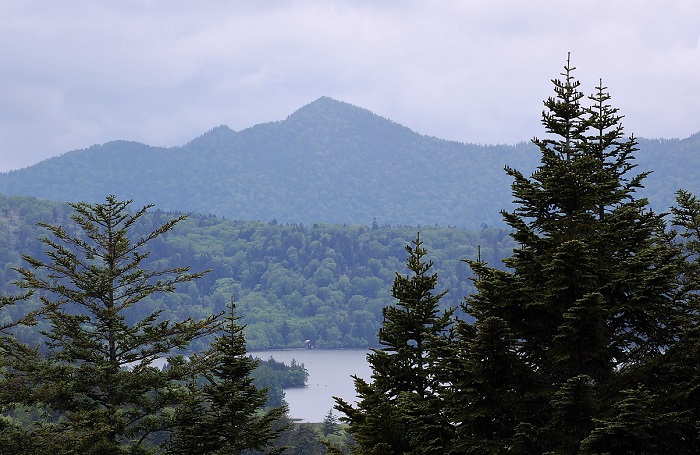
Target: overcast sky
[77, 73]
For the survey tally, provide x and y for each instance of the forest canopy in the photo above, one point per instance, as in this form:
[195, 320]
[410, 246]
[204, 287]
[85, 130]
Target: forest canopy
[291, 282]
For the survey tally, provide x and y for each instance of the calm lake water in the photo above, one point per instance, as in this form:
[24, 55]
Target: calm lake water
[329, 375]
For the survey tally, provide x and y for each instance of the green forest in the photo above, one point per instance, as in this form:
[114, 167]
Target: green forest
[291, 282]
[573, 330]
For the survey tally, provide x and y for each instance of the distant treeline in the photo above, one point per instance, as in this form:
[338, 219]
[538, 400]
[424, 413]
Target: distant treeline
[290, 282]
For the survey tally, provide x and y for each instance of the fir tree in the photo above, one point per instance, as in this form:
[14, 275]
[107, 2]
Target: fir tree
[12, 350]
[634, 425]
[6, 323]
[13, 435]
[330, 423]
[401, 411]
[304, 439]
[675, 378]
[589, 299]
[226, 415]
[96, 382]
[485, 397]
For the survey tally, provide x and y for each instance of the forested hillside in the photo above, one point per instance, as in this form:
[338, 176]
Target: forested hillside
[329, 162]
[324, 283]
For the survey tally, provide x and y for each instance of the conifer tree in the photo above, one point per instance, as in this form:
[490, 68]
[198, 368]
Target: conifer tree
[402, 411]
[589, 298]
[485, 397]
[676, 376]
[6, 324]
[94, 377]
[330, 423]
[636, 425]
[225, 414]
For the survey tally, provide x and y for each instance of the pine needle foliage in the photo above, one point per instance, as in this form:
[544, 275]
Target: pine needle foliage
[94, 378]
[589, 299]
[401, 410]
[224, 412]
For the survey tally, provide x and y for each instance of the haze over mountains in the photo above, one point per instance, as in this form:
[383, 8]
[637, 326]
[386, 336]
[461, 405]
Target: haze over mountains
[328, 162]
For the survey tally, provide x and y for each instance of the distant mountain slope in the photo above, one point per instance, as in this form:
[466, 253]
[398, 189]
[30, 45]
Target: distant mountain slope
[328, 162]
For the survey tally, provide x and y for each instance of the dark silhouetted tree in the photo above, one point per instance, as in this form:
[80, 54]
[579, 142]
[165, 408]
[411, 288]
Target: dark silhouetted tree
[589, 300]
[226, 414]
[401, 411]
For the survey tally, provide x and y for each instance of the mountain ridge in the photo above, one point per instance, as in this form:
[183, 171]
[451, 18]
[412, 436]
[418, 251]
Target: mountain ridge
[328, 162]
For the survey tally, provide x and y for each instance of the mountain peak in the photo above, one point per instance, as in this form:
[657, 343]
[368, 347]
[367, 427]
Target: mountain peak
[326, 106]
[328, 112]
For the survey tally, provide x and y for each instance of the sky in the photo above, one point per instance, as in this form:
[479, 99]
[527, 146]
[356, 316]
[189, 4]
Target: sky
[162, 72]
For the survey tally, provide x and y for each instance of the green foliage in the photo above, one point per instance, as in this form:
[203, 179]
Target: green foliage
[634, 424]
[275, 376]
[15, 439]
[330, 423]
[292, 283]
[303, 439]
[400, 411]
[225, 415]
[487, 377]
[587, 342]
[589, 305]
[676, 379]
[95, 383]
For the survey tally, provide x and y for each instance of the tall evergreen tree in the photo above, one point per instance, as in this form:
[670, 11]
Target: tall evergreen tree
[95, 379]
[675, 378]
[401, 411]
[589, 297]
[226, 415]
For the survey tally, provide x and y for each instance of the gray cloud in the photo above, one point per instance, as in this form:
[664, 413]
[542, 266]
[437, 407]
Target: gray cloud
[162, 72]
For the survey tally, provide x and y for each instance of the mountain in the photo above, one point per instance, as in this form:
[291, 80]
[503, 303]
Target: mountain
[328, 162]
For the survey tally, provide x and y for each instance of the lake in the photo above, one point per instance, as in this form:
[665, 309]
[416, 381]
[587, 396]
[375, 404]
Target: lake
[329, 375]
